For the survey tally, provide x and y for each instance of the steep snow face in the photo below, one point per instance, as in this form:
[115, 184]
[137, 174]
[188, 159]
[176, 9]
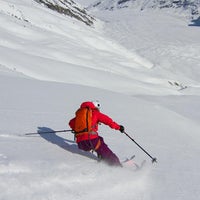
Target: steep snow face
[190, 7]
[64, 7]
[141, 56]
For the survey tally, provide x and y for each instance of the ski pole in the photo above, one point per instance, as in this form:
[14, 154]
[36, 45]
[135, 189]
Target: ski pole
[46, 132]
[152, 159]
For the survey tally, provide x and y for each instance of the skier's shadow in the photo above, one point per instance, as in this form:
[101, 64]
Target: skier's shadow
[65, 144]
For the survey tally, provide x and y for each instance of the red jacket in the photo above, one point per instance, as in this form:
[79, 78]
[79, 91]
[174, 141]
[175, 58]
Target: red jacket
[97, 117]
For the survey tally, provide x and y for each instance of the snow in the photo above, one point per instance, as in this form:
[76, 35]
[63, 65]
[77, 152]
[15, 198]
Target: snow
[50, 63]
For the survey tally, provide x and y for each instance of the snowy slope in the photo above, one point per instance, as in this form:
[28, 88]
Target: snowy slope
[175, 56]
[50, 63]
[51, 167]
[105, 59]
[68, 8]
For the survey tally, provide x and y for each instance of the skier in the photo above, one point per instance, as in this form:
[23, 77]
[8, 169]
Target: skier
[88, 141]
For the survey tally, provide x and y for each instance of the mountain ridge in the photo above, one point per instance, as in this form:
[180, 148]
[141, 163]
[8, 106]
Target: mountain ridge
[70, 8]
[190, 8]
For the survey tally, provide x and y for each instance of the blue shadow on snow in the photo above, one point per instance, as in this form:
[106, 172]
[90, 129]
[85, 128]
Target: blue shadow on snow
[196, 22]
[68, 145]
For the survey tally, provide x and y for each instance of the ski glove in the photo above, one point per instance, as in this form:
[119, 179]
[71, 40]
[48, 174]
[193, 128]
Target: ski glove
[121, 129]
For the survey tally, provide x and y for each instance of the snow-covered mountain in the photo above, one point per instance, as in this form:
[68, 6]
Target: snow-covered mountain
[189, 7]
[68, 7]
[137, 64]
[64, 7]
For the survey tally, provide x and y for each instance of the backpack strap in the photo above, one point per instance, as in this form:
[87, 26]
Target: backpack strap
[97, 145]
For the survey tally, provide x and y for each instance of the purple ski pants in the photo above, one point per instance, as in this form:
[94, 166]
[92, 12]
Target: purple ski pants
[103, 150]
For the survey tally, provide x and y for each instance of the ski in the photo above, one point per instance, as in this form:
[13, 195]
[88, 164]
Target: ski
[141, 165]
[128, 159]
[130, 163]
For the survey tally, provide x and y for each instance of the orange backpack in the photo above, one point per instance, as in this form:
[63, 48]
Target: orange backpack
[83, 120]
